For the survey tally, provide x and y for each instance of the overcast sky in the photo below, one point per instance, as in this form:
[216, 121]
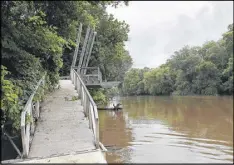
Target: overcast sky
[158, 28]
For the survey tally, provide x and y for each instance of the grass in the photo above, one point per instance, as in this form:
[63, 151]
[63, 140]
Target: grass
[74, 98]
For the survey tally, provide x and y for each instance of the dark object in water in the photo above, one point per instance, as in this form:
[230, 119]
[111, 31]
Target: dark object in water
[115, 108]
[109, 108]
[113, 148]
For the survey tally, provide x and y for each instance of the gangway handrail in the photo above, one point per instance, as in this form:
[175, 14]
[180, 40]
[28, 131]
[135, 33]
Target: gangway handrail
[27, 115]
[90, 108]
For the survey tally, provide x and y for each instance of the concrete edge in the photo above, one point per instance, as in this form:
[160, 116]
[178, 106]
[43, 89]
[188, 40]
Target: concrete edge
[17, 160]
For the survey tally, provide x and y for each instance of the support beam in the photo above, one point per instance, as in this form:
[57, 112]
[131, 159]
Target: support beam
[90, 51]
[87, 49]
[83, 48]
[77, 45]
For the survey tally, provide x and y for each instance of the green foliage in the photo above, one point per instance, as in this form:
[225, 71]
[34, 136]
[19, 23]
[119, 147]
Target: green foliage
[98, 95]
[207, 79]
[108, 49]
[107, 3]
[9, 100]
[28, 119]
[114, 91]
[39, 94]
[39, 37]
[159, 81]
[74, 98]
[206, 70]
[227, 86]
[131, 81]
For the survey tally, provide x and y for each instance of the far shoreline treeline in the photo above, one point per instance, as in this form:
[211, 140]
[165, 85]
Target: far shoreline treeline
[191, 71]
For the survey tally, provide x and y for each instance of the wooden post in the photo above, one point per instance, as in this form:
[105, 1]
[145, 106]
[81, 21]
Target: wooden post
[90, 50]
[83, 48]
[77, 45]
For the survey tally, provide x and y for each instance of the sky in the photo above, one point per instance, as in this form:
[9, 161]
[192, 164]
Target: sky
[159, 28]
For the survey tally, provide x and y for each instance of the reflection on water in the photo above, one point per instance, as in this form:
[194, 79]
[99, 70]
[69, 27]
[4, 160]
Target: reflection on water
[169, 130]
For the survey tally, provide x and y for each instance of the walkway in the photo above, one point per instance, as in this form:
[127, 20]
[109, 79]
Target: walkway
[62, 128]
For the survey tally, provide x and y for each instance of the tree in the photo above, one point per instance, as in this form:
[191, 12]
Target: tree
[131, 82]
[228, 74]
[38, 37]
[205, 70]
[159, 81]
[207, 79]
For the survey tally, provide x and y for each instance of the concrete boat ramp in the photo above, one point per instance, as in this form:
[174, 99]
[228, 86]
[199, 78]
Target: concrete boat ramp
[62, 133]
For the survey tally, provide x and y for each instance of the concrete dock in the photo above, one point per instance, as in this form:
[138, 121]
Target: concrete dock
[62, 133]
[85, 157]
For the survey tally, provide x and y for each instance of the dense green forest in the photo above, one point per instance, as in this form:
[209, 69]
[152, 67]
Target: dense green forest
[205, 70]
[38, 37]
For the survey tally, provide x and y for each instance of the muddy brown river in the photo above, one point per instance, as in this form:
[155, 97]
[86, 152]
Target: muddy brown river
[153, 129]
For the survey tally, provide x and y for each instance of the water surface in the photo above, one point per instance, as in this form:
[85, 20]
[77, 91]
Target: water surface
[169, 130]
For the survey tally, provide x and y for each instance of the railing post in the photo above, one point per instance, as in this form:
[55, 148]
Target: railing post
[43, 86]
[77, 85]
[90, 108]
[87, 106]
[23, 135]
[37, 109]
[73, 77]
[75, 82]
[27, 138]
[31, 122]
[81, 95]
[84, 101]
[90, 117]
[97, 127]
[71, 74]
[28, 127]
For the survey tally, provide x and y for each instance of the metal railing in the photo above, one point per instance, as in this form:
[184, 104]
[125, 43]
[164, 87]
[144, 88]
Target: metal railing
[30, 112]
[90, 108]
[89, 75]
[95, 76]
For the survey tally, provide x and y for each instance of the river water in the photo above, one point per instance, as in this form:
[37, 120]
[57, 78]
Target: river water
[153, 129]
